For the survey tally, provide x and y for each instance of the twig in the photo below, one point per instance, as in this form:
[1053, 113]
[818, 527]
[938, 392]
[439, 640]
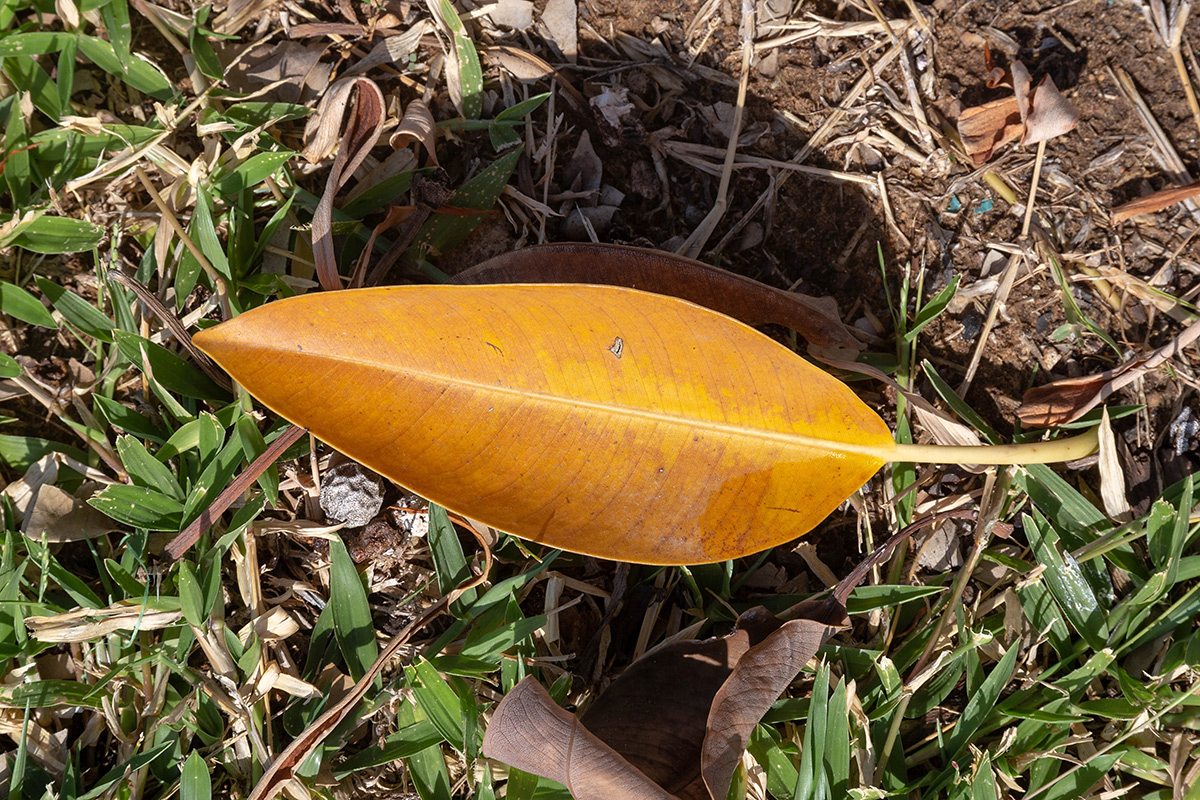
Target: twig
[910, 82]
[184, 541]
[1165, 152]
[173, 324]
[1010, 275]
[1033, 187]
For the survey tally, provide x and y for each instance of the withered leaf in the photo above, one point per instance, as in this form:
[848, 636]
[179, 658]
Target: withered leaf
[1049, 114]
[989, 126]
[815, 319]
[1156, 201]
[418, 127]
[678, 719]
[1032, 114]
[1067, 400]
[290, 72]
[531, 732]
[324, 132]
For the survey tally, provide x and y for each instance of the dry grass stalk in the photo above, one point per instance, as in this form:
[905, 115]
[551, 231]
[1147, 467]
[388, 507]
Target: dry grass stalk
[692, 154]
[695, 243]
[1164, 152]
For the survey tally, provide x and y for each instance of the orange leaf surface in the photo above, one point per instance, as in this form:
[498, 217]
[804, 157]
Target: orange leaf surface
[598, 419]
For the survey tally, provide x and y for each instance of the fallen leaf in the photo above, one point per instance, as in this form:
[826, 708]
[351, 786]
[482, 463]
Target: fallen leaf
[532, 733]
[525, 66]
[1112, 476]
[289, 72]
[676, 723]
[985, 128]
[324, 132]
[1032, 114]
[1065, 401]
[1156, 201]
[417, 126]
[57, 516]
[590, 406]
[1047, 114]
[393, 49]
[90, 624]
[815, 319]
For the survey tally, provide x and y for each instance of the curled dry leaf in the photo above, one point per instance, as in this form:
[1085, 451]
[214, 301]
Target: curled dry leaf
[992, 125]
[525, 66]
[675, 724]
[814, 318]
[322, 133]
[89, 624]
[589, 406]
[1112, 476]
[531, 732]
[1032, 114]
[1067, 400]
[1045, 111]
[417, 126]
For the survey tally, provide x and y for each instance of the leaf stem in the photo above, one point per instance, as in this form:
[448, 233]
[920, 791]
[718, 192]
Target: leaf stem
[1049, 452]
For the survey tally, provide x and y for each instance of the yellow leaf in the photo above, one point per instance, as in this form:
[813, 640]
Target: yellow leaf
[597, 419]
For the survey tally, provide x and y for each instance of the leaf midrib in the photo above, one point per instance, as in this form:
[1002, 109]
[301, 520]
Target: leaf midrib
[882, 453]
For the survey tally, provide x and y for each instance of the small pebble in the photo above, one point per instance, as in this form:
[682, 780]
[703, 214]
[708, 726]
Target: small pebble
[972, 324]
[352, 494]
[1183, 429]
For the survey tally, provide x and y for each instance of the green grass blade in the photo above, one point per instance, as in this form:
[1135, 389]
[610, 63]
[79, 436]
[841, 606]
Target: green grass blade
[79, 312]
[139, 507]
[439, 701]
[404, 743]
[837, 742]
[351, 612]
[18, 303]
[980, 704]
[146, 470]
[195, 783]
[1067, 584]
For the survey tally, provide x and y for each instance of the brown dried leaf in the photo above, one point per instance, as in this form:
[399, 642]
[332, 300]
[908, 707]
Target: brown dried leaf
[292, 72]
[1067, 400]
[759, 678]
[991, 125]
[678, 719]
[1032, 114]
[525, 66]
[1050, 114]
[1112, 476]
[57, 516]
[417, 126]
[754, 303]
[90, 624]
[657, 720]
[1155, 202]
[532, 733]
[393, 48]
[323, 133]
